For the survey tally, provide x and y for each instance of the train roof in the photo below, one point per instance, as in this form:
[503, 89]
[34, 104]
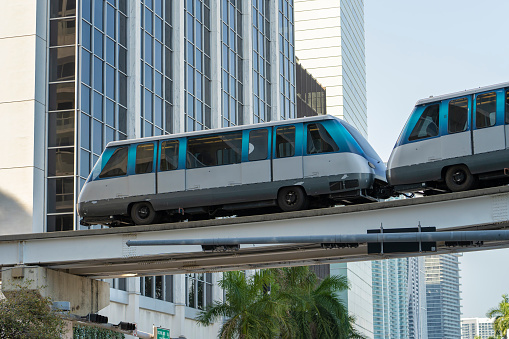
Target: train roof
[461, 93]
[222, 130]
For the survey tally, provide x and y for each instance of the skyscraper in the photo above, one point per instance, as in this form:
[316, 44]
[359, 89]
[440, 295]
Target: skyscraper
[443, 296]
[330, 44]
[399, 299]
[77, 74]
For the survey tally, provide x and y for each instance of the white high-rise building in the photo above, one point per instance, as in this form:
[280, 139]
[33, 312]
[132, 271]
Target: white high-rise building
[472, 328]
[330, 44]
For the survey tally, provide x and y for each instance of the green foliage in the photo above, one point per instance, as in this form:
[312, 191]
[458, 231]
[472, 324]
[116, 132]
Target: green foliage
[501, 315]
[25, 314]
[281, 303]
[89, 332]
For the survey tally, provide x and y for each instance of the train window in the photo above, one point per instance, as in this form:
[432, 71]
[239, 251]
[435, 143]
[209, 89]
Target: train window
[458, 115]
[169, 155]
[427, 125]
[507, 107]
[214, 150]
[285, 142]
[117, 165]
[486, 110]
[258, 144]
[319, 140]
[144, 158]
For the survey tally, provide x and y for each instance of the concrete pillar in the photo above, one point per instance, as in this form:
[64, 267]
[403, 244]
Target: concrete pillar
[134, 73]
[179, 286]
[85, 295]
[133, 307]
[247, 61]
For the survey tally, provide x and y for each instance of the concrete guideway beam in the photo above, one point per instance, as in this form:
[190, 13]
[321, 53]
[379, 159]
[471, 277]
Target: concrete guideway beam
[104, 253]
[85, 295]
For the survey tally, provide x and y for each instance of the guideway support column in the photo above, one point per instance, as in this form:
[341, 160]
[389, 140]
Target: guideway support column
[85, 295]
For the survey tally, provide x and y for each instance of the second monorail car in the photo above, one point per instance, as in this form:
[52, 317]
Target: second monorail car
[453, 142]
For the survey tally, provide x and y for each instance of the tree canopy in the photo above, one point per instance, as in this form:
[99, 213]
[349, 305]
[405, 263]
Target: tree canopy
[501, 315]
[25, 314]
[281, 303]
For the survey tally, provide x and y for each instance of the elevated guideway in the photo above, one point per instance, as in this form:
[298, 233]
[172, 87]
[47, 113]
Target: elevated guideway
[104, 253]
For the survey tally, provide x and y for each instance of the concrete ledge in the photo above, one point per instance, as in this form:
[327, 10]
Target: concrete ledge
[85, 295]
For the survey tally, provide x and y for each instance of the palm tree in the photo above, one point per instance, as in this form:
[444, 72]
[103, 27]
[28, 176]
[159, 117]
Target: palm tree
[281, 303]
[315, 309]
[250, 310]
[501, 315]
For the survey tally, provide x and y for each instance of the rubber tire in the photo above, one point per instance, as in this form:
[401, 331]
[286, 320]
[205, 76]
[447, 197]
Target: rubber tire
[292, 198]
[458, 178]
[142, 213]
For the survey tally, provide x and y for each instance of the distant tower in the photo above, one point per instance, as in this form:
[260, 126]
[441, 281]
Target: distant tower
[443, 296]
[399, 299]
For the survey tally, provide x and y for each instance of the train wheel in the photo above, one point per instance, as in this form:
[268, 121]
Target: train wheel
[143, 213]
[292, 198]
[458, 178]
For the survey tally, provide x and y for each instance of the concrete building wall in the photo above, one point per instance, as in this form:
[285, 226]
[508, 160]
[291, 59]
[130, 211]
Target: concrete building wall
[22, 115]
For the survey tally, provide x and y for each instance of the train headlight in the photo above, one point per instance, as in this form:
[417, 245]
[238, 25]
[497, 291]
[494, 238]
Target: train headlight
[371, 165]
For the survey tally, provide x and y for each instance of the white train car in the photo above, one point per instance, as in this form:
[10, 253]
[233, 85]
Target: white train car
[209, 173]
[453, 142]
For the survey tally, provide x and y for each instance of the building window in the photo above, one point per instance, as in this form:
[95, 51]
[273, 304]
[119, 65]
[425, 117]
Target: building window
[199, 290]
[157, 287]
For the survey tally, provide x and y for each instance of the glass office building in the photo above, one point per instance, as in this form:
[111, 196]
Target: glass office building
[399, 299]
[82, 73]
[443, 296]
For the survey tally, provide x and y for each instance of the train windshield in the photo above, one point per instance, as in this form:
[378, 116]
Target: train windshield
[363, 143]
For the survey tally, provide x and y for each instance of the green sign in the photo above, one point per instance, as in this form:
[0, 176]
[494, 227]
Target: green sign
[163, 333]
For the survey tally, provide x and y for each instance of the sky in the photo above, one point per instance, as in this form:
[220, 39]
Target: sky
[415, 49]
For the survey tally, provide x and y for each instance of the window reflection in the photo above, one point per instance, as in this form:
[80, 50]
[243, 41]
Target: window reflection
[62, 32]
[61, 96]
[60, 195]
[61, 161]
[60, 223]
[61, 129]
[61, 64]
[62, 8]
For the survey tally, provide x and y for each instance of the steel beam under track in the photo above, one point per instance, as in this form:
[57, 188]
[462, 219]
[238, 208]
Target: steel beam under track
[104, 253]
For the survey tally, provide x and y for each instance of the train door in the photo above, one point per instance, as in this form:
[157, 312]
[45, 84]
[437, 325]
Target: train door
[213, 161]
[488, 129]
[171, 174]
[287, 155]
[256, 165]
[142, 178]
[456, 140]
[319, 142]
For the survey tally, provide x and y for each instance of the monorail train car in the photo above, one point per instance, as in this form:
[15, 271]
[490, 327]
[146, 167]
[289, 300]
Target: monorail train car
[219, 172]
[453, 142]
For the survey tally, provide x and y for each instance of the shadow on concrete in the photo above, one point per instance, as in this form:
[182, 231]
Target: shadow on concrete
[14, 218]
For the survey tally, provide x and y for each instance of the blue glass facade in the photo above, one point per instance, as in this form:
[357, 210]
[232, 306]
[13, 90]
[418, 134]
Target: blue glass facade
[197, 65]
[261, 61]
[156, 67]
[231, 63]
[286, 60]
